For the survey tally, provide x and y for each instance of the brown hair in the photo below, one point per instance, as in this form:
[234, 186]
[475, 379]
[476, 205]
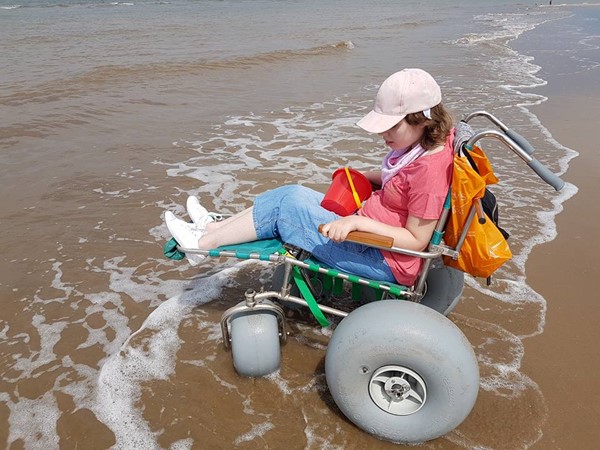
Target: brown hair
[436, 129]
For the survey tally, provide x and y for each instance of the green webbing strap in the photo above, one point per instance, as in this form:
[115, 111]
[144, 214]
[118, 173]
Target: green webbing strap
[327, 283]
[170, 250]
[310, 299]
[338, 286]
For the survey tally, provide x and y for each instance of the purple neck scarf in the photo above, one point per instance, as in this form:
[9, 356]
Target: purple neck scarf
[395, 160]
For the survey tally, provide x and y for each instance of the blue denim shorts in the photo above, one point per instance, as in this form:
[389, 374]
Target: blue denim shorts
[293, 214]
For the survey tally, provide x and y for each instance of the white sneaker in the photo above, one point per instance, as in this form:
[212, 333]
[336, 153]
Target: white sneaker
[186, 234]
[198, 213]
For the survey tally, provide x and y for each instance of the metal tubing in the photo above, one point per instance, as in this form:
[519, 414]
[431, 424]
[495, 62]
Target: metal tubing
[295, 262]
[516, 148]
[465, 229]
[542, 171]
[432, 250]
[286, 284]
[523, 143]
[420, 285]
[325, 309]
[479, 210]
[300, 301]
[424, 255]
[488, 116]
[230, 254]
[405, 294]
[405, 251]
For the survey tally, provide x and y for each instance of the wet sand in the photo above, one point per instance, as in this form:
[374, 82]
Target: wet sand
[89, 176]
[563, 360]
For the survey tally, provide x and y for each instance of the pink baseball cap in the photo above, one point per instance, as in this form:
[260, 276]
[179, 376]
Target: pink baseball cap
[405, 92]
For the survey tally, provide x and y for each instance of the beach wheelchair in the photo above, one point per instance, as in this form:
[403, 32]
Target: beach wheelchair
[395, 365]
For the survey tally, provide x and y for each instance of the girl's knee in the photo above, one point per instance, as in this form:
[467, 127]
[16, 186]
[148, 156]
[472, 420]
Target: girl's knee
[284, 195]
[295, 191]
[296, 196]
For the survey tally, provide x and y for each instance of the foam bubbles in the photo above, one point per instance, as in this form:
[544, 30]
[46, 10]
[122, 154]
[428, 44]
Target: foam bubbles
[300, 143]
[235, 160]
[256, 431]
[147, 354]
[183, 444]
[33, 421]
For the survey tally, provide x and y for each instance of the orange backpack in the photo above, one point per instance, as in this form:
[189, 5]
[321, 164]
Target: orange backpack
[484, 248]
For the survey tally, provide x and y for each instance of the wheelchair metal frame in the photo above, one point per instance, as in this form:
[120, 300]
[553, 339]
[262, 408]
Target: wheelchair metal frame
[436, 248]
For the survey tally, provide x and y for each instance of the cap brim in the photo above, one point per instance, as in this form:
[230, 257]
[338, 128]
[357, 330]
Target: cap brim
[375, 122]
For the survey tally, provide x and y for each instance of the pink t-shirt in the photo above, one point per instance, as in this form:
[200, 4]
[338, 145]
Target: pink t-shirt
[418, 190]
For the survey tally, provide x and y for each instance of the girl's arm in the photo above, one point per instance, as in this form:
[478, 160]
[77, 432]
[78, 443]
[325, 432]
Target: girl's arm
[374, 176]
[415, 236]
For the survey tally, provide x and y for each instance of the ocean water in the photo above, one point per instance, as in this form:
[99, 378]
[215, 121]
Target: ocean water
[113, 112]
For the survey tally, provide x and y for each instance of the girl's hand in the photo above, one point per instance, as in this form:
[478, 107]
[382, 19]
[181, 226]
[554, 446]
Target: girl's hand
[339, 229]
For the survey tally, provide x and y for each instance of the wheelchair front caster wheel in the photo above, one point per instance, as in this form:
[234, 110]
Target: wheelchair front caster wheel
[255, 345]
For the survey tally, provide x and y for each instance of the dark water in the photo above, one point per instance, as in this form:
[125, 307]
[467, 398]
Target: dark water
[113, 113]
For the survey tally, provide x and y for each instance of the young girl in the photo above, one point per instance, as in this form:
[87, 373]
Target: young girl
[414, 179]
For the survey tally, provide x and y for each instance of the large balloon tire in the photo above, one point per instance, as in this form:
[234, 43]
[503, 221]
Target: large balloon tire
[255, 345]
[444, 289]
[411, 342]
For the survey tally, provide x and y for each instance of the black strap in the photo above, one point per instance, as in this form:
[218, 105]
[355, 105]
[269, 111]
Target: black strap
[467, 153]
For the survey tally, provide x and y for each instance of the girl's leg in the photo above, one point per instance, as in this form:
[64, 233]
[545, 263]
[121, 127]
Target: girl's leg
[294, 213]
[236, 229]
[212, 226]
[243, 226]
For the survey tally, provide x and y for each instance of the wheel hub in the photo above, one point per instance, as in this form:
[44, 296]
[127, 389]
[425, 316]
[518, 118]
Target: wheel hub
[397, 390]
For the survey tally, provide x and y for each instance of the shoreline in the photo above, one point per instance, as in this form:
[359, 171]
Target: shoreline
[560, 359]
[96, 320]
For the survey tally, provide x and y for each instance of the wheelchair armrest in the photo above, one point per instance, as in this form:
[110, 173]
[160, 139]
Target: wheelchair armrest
[363, 237]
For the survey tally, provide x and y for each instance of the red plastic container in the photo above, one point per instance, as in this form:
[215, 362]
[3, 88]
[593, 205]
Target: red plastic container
[339, 197]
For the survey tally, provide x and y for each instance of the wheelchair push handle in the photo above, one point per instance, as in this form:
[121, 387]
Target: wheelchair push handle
[546, 174]
[520, 140]
[363, 237]
[523, 143]
[543, 172]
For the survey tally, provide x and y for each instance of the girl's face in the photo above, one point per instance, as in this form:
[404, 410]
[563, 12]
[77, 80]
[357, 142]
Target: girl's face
[403, 135]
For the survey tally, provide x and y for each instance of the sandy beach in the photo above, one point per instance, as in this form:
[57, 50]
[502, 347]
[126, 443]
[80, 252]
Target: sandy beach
[563, 360]
[113, 113]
